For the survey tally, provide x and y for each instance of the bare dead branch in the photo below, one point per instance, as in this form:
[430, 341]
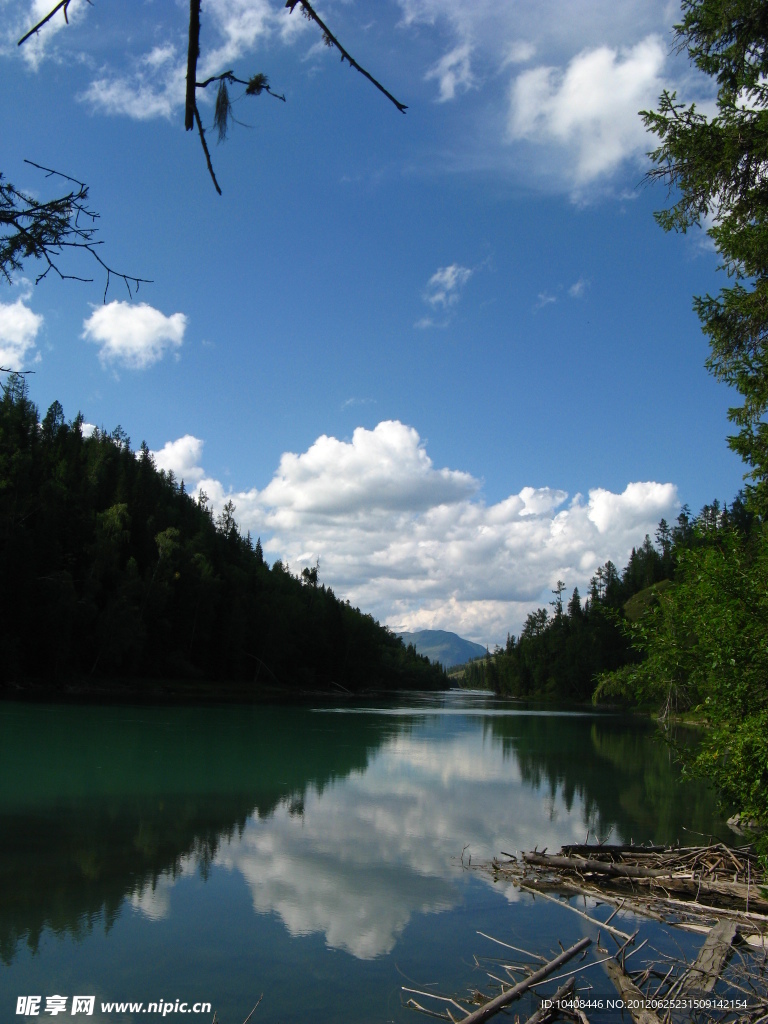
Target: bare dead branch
[205, 149]
[567, 906]
[492, 1007]
[331, 40]
[49, 173]
[254, 86]
[193, 52]
[254, 1009]
[61, 6]
[262, 84]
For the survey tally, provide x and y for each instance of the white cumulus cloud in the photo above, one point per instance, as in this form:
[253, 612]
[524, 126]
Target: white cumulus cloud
[154, 87]
[416, 545]
[453, 73]
[444, 287]
[569, 121]
[182, 458]
[133, 336]
[19, 328]
[385, 470]
[627, 510]
[590, 107]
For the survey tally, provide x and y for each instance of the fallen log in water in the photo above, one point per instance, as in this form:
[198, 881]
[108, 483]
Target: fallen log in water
[668, 885]
[712, 957]
[492, 1007]
[550, 1012]
[615, 848]
[717, 891]
[631, 994]
[599, 867]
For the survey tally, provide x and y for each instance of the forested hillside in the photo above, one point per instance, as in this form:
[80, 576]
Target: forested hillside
[113, 574]
[682, 628]
[563, 649]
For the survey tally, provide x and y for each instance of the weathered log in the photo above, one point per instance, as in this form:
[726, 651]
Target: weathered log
[617, 848]
[592, 920]
[631, 994]
[547, 1013]
[598, 867]
[492, 1007]
[712, 956]
[694, 906]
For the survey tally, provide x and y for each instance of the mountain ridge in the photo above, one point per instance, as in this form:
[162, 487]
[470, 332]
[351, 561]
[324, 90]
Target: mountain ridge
[441, 645]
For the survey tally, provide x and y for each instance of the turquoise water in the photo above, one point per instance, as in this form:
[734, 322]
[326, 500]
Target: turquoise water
[318, 855]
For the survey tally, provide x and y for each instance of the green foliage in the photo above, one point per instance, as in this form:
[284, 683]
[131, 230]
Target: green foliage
[637, 605]
[717, 168]
[705, 646]
[705, 642]
[112, 571]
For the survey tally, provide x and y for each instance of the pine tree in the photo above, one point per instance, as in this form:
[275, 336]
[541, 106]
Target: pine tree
[717, 167]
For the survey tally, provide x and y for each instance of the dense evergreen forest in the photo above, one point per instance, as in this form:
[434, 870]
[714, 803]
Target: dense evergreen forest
[115, 577]
[563, 650]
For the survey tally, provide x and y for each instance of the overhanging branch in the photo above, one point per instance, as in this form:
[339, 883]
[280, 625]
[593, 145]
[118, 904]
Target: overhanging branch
[43, 230]
[254, 86]
[331, 40]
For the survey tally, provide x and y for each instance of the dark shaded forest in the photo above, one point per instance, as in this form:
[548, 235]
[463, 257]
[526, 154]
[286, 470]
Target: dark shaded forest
[117, 580]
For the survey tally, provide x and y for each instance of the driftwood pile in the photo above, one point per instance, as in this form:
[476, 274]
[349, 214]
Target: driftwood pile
[715, 877]
[719, 892]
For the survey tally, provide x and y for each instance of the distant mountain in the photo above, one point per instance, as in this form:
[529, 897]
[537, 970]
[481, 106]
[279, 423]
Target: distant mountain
[440, 645]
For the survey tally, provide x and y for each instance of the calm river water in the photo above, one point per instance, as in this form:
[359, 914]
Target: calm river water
[309, 853]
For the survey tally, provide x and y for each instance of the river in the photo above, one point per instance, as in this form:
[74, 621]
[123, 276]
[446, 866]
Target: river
[321, 855]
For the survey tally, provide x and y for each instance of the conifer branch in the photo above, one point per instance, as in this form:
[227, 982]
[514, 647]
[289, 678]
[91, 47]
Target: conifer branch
[42, 230]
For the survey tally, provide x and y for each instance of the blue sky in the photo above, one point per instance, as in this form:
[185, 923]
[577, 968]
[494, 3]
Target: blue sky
[448, 353]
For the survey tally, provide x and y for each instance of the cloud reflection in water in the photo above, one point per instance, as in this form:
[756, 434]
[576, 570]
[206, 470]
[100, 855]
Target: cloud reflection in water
[378, 846]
